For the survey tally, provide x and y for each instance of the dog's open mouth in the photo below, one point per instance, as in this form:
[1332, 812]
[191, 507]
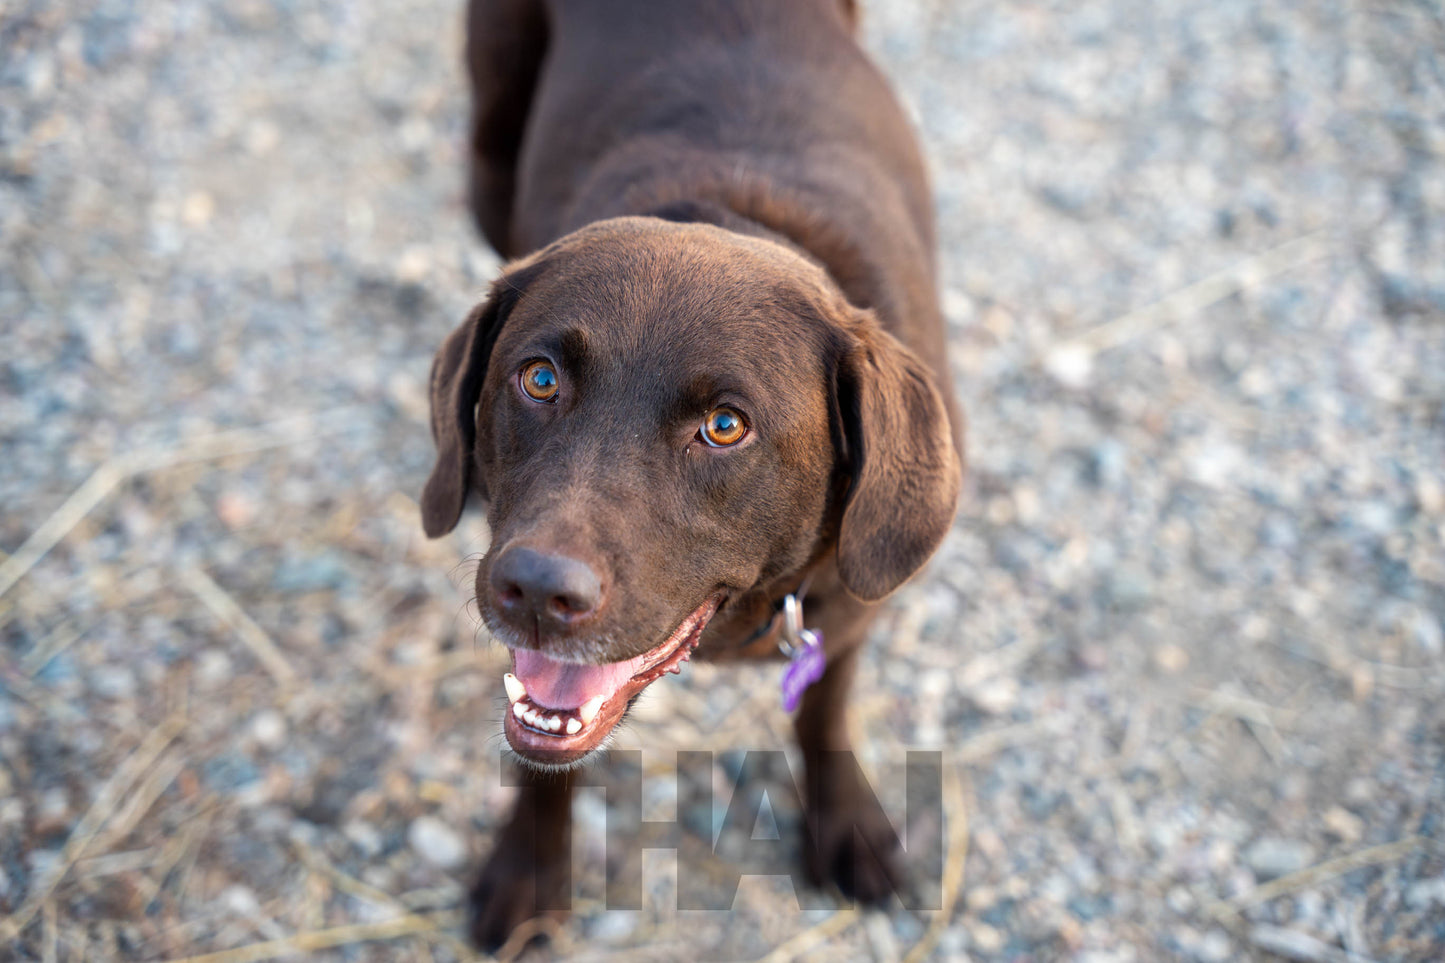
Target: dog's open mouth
[560, 711]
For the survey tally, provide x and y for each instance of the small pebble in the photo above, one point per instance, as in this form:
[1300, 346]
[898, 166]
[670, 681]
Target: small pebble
[997, 696]
[53, 811]
[1430, 495]
[1179, 899]
[113, 682]
[240, 900]
[1272, 857]
[613, 926]
[269, 728]
[1214, 947]
[984, 938]
[980, 898]
[213, 669]
[1071, 366]
[364, 835]
[1343, 824]
[1171, 658]
[1216, 465]
[436, 842]
[1426, 893]
[235, 509]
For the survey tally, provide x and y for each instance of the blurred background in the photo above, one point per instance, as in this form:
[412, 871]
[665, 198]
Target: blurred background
[1185, 649]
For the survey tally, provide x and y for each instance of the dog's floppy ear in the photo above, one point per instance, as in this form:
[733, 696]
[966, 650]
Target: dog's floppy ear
[898, 450]
[457, 374]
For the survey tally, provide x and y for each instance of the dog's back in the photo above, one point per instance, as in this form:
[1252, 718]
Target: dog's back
[745, 113]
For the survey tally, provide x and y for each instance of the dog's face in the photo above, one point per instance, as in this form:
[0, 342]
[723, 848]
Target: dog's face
[665, 419]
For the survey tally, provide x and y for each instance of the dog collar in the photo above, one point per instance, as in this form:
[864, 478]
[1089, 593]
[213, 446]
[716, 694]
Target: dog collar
[771, 622]
[804, 649]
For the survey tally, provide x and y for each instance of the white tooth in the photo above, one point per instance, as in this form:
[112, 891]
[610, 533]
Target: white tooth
[519, 710]
[554, 723]
[515, 689]
[574, 726]
[532, 716]
[588, 711]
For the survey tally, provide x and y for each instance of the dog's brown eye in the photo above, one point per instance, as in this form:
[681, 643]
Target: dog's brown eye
[539, 380]
[724, 426]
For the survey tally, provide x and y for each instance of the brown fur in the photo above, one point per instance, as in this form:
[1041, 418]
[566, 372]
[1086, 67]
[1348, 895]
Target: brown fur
[724, 205]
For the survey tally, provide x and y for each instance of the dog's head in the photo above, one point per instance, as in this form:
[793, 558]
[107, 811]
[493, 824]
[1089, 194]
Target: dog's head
[664, 418]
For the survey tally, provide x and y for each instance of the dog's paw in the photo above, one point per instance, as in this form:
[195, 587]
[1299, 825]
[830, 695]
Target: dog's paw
[519, 883]
[851, 843]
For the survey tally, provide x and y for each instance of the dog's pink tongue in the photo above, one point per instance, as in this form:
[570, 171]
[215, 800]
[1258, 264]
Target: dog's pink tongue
[567, 685]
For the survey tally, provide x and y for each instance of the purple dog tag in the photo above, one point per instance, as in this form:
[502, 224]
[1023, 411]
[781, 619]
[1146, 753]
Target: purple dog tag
[805, 666]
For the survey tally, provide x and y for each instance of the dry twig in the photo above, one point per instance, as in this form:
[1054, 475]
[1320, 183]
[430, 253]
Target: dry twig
[329, 939]
[318, 863]
[95, 818]
[996, 662]
[1294, 945]
[67, 516]
[985, 744]
[49, 647]
[1259, 717]
[953, 870]
[1201, 294]
[118, 469]
[156, 782]
[800, 943]
[529, 930]
[229, 611]
[1313, 875]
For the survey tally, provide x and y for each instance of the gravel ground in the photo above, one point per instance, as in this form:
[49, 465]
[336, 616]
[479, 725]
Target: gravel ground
[1185, 649]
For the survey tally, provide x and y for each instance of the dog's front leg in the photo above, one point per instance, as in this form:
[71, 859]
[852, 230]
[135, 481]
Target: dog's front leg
[529, 872]
[849, 839]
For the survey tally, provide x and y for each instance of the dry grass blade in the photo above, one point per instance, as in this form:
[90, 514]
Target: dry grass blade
[328, 939]
[1294, 945]
[800, 943]
[1318, 873]
[989, 743]
[1000, 661]
[110, 864]
[20, 686]
[51, 941]
[95, 818]
[229, 611]
[318, 863]
[1201, 294]
[243, 441]
[953, 869]
[156, 782]
[116, 470]
[90, 494]
[1259, 717]
[1241, 707]
[671, 950]
[355, 887]
[525, 933]
[49, 647]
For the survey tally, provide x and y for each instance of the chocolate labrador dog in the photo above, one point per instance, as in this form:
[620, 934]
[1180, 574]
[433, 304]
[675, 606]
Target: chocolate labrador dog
[714, 376]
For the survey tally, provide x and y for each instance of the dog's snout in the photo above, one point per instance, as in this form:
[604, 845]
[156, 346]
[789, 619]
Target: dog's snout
[542, 589]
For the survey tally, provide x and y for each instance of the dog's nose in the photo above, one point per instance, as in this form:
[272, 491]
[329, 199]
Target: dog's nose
[551, 591]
